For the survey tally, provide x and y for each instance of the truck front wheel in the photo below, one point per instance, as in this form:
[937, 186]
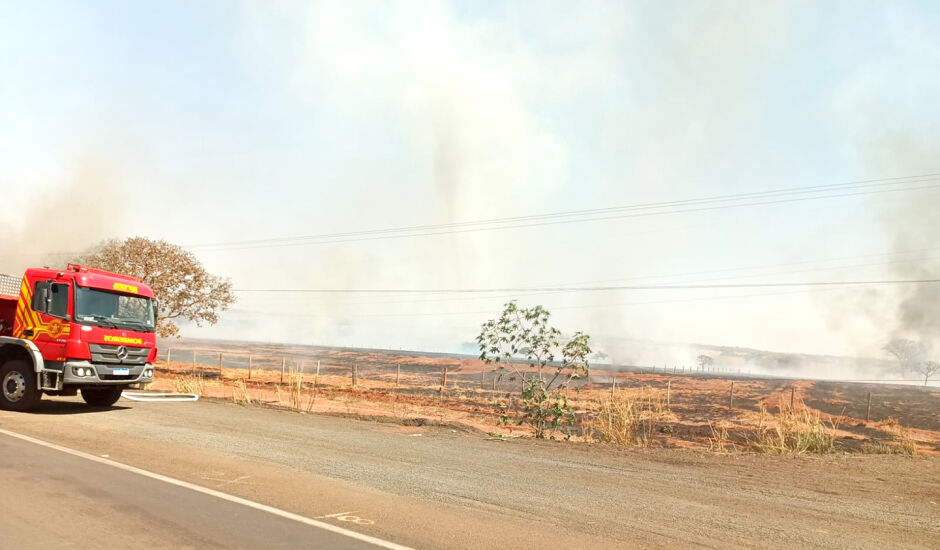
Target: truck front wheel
[102, 397]
[18, 391]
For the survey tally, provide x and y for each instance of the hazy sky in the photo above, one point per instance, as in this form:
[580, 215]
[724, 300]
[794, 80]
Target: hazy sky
[206, 122]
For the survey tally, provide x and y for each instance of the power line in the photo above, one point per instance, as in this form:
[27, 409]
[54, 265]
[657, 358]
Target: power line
[585, 288]
[535, 293]
[580, 216]
[490, 297]
[738, 196]
[598, 214]
[551, 307]
[615, 304]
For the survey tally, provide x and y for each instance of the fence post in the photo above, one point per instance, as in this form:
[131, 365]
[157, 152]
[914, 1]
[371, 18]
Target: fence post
[494, 380]
[398, 375]
[792, 398]
[194, 362]
[668, 392]
[613, 385]
[355, 374]
[868, 409]
[249, 366]
[731, 397]
[483, 379]
[316, 382]
[443, 380]
[169, 352]
[220, 365]
[283, 365]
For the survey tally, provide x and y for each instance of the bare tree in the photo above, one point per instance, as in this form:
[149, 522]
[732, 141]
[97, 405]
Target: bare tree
[928, 369]
[704, 361]
[182, 285]
[910, 354]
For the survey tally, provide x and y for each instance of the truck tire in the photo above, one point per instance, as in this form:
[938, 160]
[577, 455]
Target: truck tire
[102, 397]
[18, 390]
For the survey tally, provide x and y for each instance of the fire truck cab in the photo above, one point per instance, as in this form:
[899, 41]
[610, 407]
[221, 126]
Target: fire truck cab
[74, 330]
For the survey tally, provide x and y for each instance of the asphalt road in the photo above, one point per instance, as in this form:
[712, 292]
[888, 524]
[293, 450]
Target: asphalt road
[434, 487]
[53, 499]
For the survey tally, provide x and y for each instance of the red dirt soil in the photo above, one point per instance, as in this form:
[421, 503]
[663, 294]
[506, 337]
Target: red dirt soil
[411, 394]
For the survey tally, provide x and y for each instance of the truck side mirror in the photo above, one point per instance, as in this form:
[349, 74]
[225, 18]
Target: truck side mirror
[156, 309]
[42, 297]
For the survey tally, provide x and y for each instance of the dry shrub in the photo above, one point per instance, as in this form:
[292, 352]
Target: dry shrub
[799, 431]
[907, 447]
[890, 425]
[719, 441]
[190, 384]
[295, 384]
[901, 442]
[240, 393]
[628, 417]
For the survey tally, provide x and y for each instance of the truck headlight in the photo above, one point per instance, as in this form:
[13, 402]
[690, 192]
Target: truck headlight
[148, 373]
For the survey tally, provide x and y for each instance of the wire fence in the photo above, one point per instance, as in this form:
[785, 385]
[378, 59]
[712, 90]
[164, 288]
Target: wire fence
[416, 377]
[479, 389]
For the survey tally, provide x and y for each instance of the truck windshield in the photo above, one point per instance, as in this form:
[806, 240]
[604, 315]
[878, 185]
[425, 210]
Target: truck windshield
[113, 310]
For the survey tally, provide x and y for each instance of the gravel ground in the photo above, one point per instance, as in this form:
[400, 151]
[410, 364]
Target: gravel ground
[434, 487]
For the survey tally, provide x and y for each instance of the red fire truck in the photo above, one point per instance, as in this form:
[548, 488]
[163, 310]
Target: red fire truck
[71, 330]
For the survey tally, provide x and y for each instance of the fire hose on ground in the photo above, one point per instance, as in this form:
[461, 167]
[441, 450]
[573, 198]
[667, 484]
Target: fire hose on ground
[149, 397]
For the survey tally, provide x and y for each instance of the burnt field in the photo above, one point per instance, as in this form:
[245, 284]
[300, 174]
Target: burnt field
[690, 410]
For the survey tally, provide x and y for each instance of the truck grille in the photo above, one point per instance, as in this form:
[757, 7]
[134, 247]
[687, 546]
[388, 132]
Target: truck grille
[101, 353]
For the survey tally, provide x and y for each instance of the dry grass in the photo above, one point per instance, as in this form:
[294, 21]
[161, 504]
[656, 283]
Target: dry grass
[190, 384]
[629, 417]
[636, 414]
[890, 425]
[796, 431]
[719, 441]
[901, 442]
[240, 393]
[295, 384]
[888, 448]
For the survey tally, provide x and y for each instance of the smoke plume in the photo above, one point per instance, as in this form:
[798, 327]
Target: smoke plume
[63, 218]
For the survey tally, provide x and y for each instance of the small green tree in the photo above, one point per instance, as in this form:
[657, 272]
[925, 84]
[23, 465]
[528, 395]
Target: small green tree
[524, 336]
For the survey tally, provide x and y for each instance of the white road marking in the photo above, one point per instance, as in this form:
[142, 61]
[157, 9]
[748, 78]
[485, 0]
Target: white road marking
[211, 492]
[333, 515]
[347, 516]
[224, 482]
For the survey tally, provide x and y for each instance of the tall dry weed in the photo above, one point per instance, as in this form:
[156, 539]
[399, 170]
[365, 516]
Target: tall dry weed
[628, 417]
[793, 431]
[295, 384]
[240, 393]
[193, 384]
[720, 441]
[901, 442]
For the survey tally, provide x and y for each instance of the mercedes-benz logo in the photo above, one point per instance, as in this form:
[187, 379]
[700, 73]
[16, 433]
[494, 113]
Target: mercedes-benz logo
[121, 353]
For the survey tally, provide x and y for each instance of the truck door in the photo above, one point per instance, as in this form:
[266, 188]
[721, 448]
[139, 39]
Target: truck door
[43, 317]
